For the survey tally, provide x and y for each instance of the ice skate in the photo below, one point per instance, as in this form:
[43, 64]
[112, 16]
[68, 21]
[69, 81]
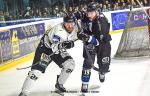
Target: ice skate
[102, 77]
[22, 94]
[84, 88]
[59, 88]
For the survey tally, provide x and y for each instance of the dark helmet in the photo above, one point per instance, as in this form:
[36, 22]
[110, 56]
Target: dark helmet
[69, 18]
[92, 6]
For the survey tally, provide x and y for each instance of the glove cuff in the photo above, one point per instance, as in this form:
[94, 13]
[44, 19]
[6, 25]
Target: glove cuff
[93, 40]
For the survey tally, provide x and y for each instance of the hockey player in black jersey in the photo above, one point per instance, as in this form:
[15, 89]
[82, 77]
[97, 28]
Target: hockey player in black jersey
[56, 40]
[95, 35]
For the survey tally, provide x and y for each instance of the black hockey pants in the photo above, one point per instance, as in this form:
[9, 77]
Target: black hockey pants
[103, 52]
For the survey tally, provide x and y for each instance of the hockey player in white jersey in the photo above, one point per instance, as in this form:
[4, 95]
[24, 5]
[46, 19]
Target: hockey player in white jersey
[56, 40]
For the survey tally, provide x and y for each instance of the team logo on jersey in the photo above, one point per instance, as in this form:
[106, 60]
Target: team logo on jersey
[56, 38]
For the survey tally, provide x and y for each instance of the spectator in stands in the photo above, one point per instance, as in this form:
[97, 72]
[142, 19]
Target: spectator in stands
[119, 2]
[76, 10]
[2, 19]
[109, 7]
[106, 3]
[50, 11]
[116, 7]
[36, 13]
[105, 8]
[45, 13]
[56, 11]
[135, 4]
[100, 7]
[128, 6]
[27, 13]
[146, 2]
[7, 17]
[83, 9]
[20, 14]
[124, 6]
[64, 11]
[122, 1]
[143, 2]
[70, 10]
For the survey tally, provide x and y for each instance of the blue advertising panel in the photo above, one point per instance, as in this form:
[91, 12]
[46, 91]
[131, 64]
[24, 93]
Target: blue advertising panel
[138, 19]
[30, 30]
[119, 20]
[41, 28]
[27, 38]
[5, 40]
[19, 41]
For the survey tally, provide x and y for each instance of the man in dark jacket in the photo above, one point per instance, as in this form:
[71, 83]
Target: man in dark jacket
[95, 35]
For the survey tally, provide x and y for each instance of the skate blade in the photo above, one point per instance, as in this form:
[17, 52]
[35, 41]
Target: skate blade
[92, 90]
[82, 94]
[59, 92]
[93, 87]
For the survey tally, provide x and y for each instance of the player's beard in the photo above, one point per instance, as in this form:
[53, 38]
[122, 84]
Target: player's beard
[69, 29]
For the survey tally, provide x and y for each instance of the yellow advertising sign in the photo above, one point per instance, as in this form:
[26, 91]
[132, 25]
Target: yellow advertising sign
[15, 42]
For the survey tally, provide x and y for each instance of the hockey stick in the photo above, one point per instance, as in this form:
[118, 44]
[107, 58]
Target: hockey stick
[89, 57]
[37, 62]
[49, 56]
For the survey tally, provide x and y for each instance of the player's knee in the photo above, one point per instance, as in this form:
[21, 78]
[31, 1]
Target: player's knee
[34, 74]
[86, 73]
[87, 64]
[41, 66]
[69, 65]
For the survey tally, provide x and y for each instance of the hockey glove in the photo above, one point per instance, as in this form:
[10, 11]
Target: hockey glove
[88, 38]
[66, 44]
[93, 40]
[83, 36]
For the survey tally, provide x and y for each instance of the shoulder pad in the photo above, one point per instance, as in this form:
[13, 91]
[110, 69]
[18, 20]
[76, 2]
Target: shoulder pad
[48, 30]
[101, 15]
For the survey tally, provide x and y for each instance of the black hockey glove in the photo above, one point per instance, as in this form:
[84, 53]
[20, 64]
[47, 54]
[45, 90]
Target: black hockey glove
[88, 38]
[83, 36]
[66, 44]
